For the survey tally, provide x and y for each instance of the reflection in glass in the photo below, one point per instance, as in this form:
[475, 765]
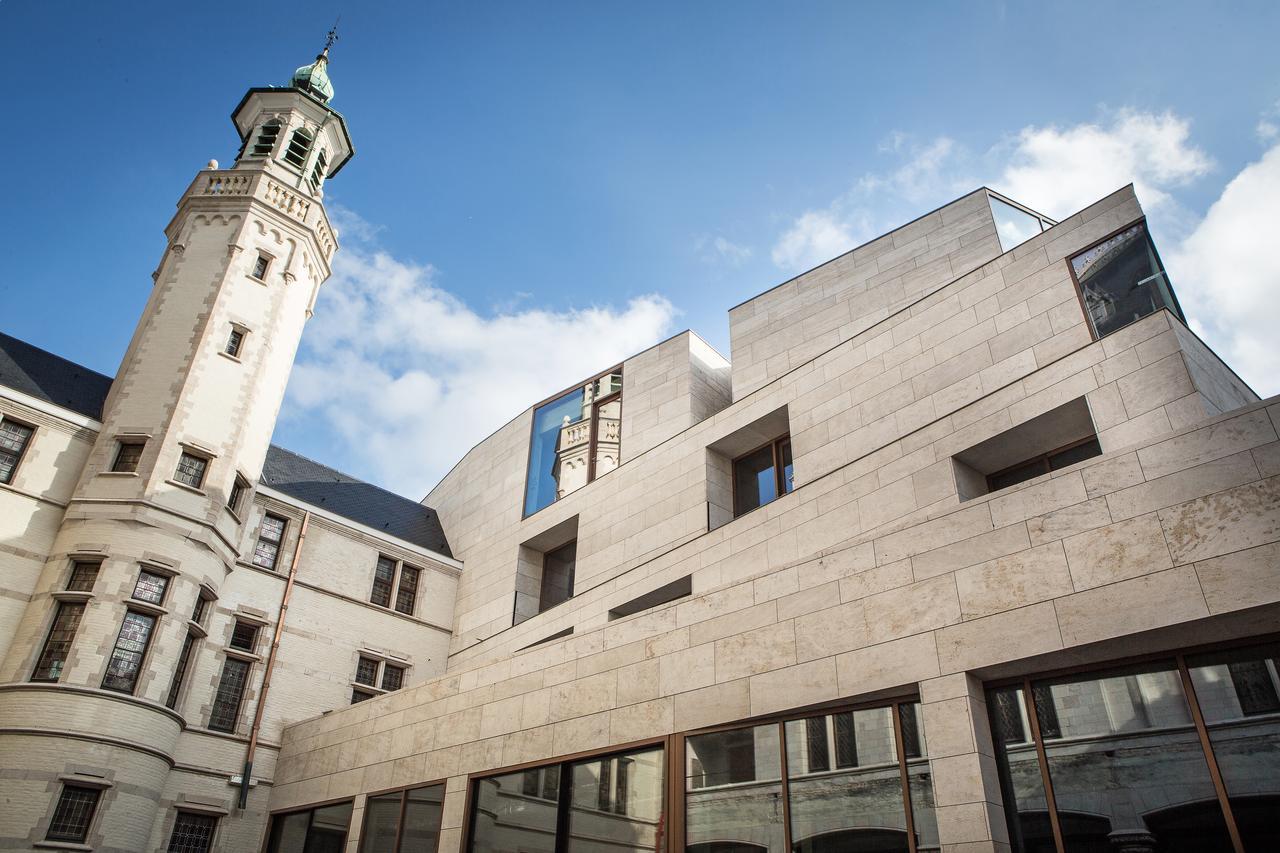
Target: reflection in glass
[845, 783]
[617, 803]
[422, 813]
[1239, 696]
[762, 475]
[565, 432]
[516, 812]
[381, 819]
[733, 782]
[1121, 280]
[1013, 225]
[1025, 802]
[321, 830]
[919, 778]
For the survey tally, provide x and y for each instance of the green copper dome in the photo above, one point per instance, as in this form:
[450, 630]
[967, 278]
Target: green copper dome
[314, 78]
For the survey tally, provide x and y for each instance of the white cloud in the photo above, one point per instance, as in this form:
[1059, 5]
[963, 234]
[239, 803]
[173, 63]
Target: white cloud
[1227, 274]
[1061, 170]
[815, 236]
[410, 376]
[721, 251]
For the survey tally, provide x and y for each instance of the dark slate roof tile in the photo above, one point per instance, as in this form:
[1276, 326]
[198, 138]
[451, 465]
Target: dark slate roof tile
[48, 377]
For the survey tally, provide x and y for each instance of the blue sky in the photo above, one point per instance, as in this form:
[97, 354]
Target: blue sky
[541, 189]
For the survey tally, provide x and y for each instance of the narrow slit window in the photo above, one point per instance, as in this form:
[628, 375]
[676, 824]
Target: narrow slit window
[299, 147]
[14, 438]
[260, 267]
[128, 455]
[235, 342]
[180, 671]
[192, 833]
[57, 646]
[266, 553]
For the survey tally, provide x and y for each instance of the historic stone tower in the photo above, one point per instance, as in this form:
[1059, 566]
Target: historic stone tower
[153, 529]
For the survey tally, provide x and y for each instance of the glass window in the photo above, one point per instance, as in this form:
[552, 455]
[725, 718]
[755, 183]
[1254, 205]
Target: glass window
[260, 267]
[73, 814]
[407, 591]
[1043, 464]
[128, 455]
[244, 636]
[733, 785]
[236, 337]
[611, 803]
[14, 438]
[1239, 696]
[575, 439]
[191, 470]
[318, 830]
[418, 832]
[180, 671]
[192, 833]
[557, 576]
[266, 139]
[1123, 758]
[84, 574]
[238, 488]
[1013, 225]
[367, 671]
[392, 677]
[1122, 280]
[125, 664]
[384, 575]
[53, 657]
[762, 475]
[230, 693]
[266, 553]
[150, 587]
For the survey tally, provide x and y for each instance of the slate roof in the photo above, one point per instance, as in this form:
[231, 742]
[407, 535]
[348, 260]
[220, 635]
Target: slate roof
[51, 378]
[48, 377]
[372, 506]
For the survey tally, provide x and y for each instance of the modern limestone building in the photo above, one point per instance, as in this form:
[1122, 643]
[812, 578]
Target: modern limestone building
[973, 546]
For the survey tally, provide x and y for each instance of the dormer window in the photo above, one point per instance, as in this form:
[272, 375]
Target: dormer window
[317, 173]
[267, 139]
[299, 147]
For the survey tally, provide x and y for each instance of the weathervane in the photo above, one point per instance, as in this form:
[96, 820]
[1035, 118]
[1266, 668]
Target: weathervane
[332, 36]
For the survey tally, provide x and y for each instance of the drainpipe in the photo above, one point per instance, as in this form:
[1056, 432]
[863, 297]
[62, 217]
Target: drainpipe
[247, 773]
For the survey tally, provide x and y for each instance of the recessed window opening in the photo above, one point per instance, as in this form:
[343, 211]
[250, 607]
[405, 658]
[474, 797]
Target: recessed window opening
[180, 671]
[84, 574]
[749, 468]
[128, 455]
[125, 664]
[266, 552]
[267, 137]
[235, 341]
[1048, 442]
[73, 814]
[546, 570]
[191, 469]
[260, 267]
[575, 438]
[150, 587]
[762, 476]
[57, 645]
[558, 635]
[395, 582]
[229, 695]
[1121, 280]
[679, 588]
[244, 636]
[317, 172]
[14, 438]
[1014, 226]
[299, 147]
[557, 576]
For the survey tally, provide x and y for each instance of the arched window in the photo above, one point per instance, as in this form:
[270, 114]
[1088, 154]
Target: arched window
[317, 172]
[299, 147]
[267, 139]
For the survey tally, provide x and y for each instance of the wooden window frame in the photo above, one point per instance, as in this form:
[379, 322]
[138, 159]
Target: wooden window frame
[779, 476]
[403, 791]
[230, 657]
[1084, 308]
[21, 455]
[264, 260]
[1177, 657]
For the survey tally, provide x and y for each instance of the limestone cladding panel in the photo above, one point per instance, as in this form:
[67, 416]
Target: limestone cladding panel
[913, 605]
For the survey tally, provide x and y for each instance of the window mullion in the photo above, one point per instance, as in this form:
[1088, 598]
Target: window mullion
[562, 808]
[404, 803]
[1202, 731]
[786, 786]
[1046, 781]
[900, 744]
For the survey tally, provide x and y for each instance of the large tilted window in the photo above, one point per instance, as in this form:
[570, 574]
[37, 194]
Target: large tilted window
[1126, 754]
[316, 830]
[841, 776]
[403, 821]
[576, 437]
[605, 803]
[1121, 280]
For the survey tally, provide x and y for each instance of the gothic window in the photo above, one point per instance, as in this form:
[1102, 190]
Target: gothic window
[377, 676]
[73, 814]
[384, 574]
[150, 587]
[14, 438]
[192, 833]
[558, 570]
[762, 476]
[128, 455]
[299, 147]
[267, 137]
[266, 553]
[53, 657]
[229, 695]
[191, 470]
[575, 438]
[125, 664]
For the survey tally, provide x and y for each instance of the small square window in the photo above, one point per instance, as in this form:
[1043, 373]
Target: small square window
[260, 266]
[201, 608]
[244, 636]
[150, 587]
[84, 574]
[73, 814]
[236, 497]
[191, 470]
[128, 455]
[392, 677]
[235, 342]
